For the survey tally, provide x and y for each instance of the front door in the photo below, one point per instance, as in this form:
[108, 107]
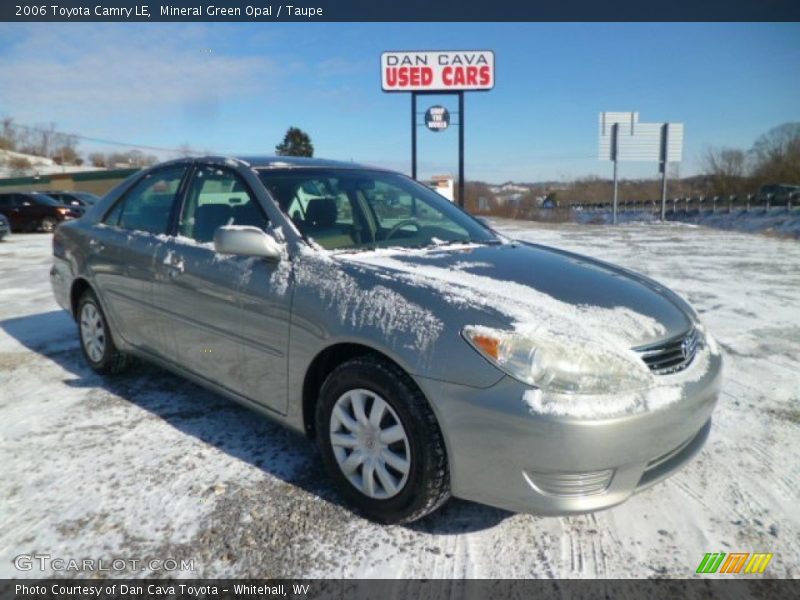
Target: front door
[225, 322]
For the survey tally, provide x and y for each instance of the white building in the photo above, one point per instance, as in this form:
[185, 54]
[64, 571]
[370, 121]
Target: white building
[443, 185]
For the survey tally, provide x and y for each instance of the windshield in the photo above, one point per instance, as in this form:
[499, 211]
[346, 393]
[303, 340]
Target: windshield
[43, 200]
[344, 209]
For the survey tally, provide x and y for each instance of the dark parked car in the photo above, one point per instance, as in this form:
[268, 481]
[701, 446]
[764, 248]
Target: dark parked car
[80, 202]
[5, 228]
[778, 193]
[29, 211]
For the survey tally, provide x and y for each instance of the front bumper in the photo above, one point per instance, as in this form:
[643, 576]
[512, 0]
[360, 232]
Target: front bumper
[503, 454]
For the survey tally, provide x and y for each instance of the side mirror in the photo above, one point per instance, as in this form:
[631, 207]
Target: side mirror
[483, 220]
[245, 240]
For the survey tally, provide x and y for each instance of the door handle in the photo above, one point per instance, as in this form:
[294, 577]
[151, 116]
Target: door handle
[95, 245]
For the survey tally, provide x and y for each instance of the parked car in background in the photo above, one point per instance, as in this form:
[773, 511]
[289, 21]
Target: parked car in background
[5, 228]
[779, 193]
[73, 197]
[32, 211]
[78, 201]
[426, 354]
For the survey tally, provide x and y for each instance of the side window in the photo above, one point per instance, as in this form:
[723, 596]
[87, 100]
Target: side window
[112, 217]
[218, 197]
[147, 206]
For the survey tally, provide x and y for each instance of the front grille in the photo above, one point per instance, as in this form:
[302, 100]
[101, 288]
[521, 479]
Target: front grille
[570, 484]
[671, 356]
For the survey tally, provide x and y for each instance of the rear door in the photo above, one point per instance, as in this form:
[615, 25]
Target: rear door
[227, 322]
[124, 250]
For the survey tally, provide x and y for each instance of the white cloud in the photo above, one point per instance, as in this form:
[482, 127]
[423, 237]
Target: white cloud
[126, 78]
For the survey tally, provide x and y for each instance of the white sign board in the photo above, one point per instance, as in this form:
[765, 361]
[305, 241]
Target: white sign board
[638, 141]
[437, 71]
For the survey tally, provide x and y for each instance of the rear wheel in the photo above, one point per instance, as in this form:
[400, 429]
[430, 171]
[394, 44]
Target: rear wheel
[380, 441]
[96, 340]
[48, 224]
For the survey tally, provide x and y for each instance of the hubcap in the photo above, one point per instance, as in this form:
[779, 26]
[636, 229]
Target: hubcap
[370, 444]
[93, 332]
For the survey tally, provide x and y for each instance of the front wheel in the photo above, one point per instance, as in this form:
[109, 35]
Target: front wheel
[381, 442]
[96, 340]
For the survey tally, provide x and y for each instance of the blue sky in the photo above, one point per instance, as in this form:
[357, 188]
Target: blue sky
[235, 88]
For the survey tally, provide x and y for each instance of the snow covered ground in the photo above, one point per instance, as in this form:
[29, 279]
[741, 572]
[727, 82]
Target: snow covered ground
[149, 466]
[778, 221]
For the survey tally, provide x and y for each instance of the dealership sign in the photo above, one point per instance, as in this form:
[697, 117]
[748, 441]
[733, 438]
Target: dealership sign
[461, 70]
[437, 118]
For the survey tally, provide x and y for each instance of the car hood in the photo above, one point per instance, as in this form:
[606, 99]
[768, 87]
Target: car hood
[512, 278]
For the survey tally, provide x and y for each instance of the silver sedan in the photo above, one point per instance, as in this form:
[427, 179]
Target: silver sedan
[426, 355]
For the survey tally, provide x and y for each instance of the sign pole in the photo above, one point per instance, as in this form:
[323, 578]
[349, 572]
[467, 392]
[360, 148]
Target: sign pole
[461, 149]
[664, 141]
[614, 131]
[413, 135]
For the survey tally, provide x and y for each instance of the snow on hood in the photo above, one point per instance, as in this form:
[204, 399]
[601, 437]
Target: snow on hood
[462, 283]
[612, 329]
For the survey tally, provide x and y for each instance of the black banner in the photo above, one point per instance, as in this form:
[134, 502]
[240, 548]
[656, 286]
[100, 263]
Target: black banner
[405, 10]
[384, 589]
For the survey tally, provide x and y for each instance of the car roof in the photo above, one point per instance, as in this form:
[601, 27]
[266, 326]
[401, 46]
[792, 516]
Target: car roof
[287, 162]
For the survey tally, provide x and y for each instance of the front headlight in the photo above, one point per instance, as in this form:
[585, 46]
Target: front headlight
[559, 365]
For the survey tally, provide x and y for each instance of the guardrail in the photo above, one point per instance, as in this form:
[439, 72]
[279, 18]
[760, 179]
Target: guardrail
[696, 205]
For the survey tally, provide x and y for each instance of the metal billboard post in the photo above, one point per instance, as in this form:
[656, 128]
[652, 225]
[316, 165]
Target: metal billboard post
[414, 135]
[461, 149]
[614, 135]
[664, 162]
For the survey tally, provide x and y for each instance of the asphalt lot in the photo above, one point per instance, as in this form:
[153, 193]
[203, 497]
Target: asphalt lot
[149, 466]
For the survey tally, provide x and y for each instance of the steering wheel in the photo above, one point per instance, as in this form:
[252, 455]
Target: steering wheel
[398, 226]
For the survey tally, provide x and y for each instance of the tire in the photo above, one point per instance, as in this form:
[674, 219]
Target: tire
[97, 342]
[415, 479]
[48, 224]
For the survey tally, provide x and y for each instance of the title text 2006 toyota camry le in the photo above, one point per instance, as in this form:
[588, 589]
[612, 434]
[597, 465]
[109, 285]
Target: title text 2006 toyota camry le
[426, 354]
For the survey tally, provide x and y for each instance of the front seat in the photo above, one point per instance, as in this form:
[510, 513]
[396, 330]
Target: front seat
[320, 224]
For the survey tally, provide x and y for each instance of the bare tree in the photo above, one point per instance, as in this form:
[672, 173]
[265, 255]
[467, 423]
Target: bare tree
[185, 150]
[725, 168]
[8, 136]
[19, 165]
[98, 159]
[776, 155]
[65, 149]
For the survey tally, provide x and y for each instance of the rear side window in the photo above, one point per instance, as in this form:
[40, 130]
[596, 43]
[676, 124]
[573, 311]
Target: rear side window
[147, 207]
[218, 197]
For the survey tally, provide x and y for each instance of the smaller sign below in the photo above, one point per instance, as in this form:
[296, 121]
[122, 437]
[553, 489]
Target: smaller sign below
[437, 118]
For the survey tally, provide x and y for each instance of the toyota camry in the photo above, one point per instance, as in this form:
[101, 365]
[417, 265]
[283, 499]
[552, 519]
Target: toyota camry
[424, 353]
